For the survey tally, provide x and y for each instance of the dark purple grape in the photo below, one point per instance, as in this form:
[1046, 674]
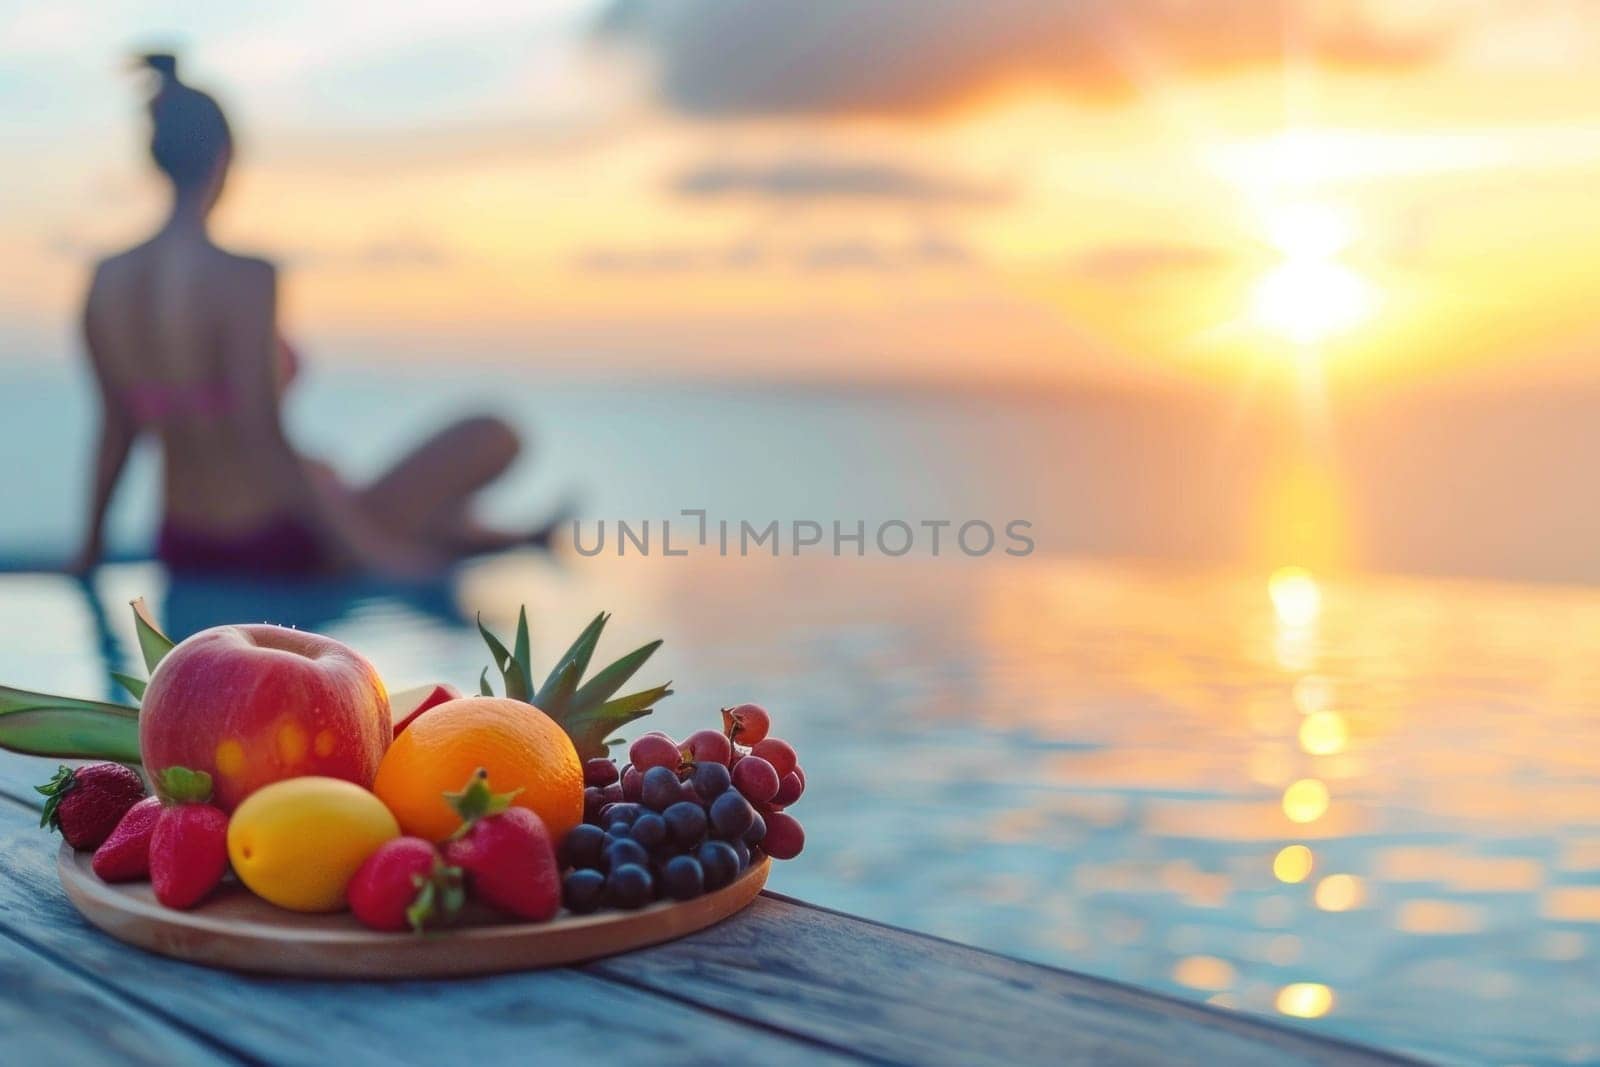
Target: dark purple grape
[620, 813]
[649, 829]
[632, 783]
[582, 846]
[756, 779]
[731, 815]
[661, 788]
[758, 830]
[710, 781]
[581, 891]
[622, 851]
[613, 793]
[683, 878]
[686, 822]
[593, 801]
[741, 850]
[663, 853]
[720, 863]
[629, 886]
[600, 771]
[785, 836]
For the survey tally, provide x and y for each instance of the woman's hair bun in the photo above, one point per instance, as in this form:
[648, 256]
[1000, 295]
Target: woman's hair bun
[163, 63]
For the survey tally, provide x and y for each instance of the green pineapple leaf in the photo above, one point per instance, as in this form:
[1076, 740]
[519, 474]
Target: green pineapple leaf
[604, 685]
[518, 687]
[590, 728]
[153, 644]
[522, 655]
[38, 724]
[553, 699]
[484, 688]
[585, 710]
[133, 685]
[581, 651]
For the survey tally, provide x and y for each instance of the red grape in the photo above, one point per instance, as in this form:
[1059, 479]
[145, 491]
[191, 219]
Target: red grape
[707, 746]
[600, 771]
[632, 783]
[790, 788]
[654, 750]
[746, 724]
[778, 753]
[785, 836]
[756, 779]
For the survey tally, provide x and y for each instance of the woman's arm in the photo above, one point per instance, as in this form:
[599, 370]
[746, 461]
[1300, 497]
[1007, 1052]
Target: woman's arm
[117, 433]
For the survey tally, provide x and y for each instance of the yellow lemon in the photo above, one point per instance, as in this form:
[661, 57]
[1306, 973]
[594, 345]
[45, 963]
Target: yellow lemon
[297, 842]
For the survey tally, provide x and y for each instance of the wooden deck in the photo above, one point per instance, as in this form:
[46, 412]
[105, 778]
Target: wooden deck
[782, 982]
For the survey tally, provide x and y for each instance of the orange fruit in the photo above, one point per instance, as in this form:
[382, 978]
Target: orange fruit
[520, 746]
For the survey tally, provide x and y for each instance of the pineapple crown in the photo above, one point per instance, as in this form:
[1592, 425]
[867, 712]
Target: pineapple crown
[589, 711]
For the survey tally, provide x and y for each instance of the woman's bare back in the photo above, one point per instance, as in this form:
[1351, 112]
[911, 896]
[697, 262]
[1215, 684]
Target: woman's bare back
[174, 326]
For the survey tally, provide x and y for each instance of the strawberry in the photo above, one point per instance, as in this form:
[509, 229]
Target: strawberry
[189, 846]
[86, 803]
[506, 853]
[405, 885]
[125, 855]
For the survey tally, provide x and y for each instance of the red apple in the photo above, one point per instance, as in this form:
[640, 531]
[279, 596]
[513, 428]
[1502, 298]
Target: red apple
[406, 705]
[252, 705]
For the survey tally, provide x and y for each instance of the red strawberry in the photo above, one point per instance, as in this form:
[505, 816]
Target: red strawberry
[86, 803]
[125, 855]
[189, 847]
[405, 885]
[509, 859]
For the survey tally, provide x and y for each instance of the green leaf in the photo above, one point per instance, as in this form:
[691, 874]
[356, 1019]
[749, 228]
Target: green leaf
[476, 801]
[38, 724]
[517, 684]
[484, 688]
[54, 790]
[522, 653]
[153, 644]
[590, 728]
[553, 699]
[603, 685]
[181, 785]
[130, 683]
[581, 652]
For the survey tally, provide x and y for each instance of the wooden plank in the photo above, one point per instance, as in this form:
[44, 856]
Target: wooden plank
[512, 1018]
[86, 1022]
[895, 995]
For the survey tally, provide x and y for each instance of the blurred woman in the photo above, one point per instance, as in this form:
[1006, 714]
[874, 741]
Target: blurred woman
[183, 336]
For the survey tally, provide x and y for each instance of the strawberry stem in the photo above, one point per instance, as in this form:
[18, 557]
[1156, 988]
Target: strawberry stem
[477, 801]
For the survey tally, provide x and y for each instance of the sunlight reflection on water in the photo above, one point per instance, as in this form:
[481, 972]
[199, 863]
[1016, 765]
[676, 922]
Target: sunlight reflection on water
[1379, 818]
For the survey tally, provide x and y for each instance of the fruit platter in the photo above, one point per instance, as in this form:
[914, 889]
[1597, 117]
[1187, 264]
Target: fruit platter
[269, 806]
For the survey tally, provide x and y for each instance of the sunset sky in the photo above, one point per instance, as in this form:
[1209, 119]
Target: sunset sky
[1107, 192]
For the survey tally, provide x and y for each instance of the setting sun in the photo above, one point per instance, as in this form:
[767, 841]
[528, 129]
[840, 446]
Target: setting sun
[1310, 295]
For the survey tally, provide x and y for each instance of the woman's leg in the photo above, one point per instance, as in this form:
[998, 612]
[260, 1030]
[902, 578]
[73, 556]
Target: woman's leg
[425, 497]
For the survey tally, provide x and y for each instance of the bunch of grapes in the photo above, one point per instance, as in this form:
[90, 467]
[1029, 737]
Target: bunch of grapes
[679, 820]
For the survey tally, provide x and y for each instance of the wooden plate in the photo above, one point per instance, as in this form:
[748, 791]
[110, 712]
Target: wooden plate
[237, 930]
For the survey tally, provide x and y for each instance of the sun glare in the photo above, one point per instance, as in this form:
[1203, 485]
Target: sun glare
[1310, 296]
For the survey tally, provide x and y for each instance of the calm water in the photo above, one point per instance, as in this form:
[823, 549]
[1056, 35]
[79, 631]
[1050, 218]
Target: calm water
[1377, 819]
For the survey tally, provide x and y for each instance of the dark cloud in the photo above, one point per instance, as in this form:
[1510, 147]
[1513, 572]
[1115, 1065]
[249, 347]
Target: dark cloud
[799, 180]
[816, 257]
[904, 57]
[1137, 262]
